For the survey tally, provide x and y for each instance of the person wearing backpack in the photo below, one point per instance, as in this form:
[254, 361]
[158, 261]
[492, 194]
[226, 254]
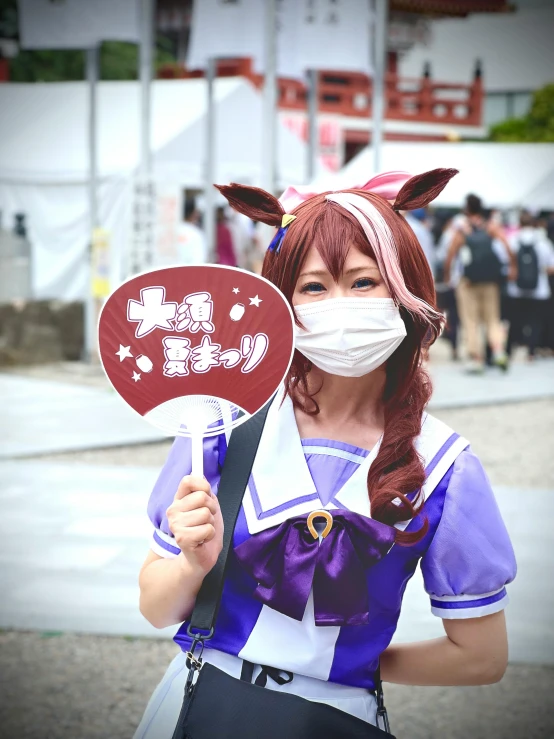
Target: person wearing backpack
[530, 292]
[478, 293]
[446, 290]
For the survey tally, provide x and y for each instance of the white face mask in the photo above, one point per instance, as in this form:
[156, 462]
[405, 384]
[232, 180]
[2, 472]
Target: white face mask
[349, 336]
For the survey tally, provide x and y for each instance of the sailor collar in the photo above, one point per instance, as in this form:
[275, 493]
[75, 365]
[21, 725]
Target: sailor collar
[281, 486]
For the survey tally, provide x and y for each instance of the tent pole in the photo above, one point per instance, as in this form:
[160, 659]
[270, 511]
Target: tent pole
[142, 248]
[146, 56]
[269, 122]
[313, 139]
[380, 26]
[92, 64]
[209, 177]
[146, 185]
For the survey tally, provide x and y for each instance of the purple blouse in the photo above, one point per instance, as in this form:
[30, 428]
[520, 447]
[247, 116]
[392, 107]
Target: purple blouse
[466, 559]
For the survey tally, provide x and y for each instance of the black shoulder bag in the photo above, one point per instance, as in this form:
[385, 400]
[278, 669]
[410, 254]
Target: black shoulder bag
[218, 706]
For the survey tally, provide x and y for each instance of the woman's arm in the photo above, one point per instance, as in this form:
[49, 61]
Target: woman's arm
[168, 587]
[473, 652]
[456, 244]
[496, 232]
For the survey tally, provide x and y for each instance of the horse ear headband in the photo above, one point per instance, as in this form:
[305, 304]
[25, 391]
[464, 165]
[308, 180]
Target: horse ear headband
[400, 188]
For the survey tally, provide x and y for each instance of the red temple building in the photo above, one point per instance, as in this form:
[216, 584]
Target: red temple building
[416, 109]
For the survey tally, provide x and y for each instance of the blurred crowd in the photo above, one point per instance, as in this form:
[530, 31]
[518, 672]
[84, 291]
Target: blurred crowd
[494, 273]
[237, 243]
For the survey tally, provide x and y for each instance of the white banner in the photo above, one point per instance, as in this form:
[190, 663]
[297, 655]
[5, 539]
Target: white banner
[77, 24]
[226, 28]
[323, 34]
[311, 34]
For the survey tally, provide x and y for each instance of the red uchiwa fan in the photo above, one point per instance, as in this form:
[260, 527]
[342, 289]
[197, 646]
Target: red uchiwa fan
[196, 350]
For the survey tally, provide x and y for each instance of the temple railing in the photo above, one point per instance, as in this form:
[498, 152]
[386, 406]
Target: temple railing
[421, 100]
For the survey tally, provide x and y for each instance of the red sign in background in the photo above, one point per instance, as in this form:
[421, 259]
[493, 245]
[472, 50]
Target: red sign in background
[196, 330]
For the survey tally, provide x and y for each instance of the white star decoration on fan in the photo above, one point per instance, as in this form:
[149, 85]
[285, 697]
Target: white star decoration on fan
[136, 376]
[236, 290]
[124, 352]
[256, 300]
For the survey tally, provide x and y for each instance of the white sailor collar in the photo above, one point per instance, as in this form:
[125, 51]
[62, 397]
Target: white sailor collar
[281, 486]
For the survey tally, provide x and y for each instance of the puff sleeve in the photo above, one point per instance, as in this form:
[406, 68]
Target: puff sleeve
[470, 559]
[177, 465]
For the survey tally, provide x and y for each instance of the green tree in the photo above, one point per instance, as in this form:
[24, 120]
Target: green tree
[47, 66]
[8, 18]
[536, 126]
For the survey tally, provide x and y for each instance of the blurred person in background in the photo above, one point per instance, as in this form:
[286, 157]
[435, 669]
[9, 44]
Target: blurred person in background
[530, 293]
[419, 223]
[225, 248]
[258, 246]
[547, 342]
[242, 233]
[496, 218]
[191, 243]
[478, 292]
[446, 289]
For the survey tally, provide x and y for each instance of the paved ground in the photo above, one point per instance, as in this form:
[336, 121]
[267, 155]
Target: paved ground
[81, 687]
[72, 534]
[72, 539]
[41, 416]
[85, 413]
[512, 440]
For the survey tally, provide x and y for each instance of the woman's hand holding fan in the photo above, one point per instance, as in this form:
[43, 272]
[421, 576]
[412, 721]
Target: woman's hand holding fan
[195, 521]
[196, 351]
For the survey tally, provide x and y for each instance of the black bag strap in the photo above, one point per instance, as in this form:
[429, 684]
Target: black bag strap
[382, 715]
[239, 459]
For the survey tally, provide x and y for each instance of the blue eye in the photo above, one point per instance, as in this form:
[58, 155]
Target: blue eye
[363, 282]
[313, 287]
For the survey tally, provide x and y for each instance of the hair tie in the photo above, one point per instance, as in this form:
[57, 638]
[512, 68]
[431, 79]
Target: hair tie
[277, 240]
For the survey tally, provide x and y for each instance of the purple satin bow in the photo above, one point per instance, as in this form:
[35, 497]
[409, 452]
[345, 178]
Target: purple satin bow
[286, 561]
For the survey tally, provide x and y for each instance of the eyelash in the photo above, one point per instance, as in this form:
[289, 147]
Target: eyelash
[368, 280]
[307, 288]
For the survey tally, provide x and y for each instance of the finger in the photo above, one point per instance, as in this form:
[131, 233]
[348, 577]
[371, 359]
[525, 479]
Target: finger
[193, 537]
[199, 517]
[194, 501]
[191, 484]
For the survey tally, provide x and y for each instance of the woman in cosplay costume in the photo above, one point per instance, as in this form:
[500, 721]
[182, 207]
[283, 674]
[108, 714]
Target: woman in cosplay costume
[316, 600]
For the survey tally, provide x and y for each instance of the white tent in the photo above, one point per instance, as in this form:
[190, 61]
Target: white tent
[503, 175]
[44, 161]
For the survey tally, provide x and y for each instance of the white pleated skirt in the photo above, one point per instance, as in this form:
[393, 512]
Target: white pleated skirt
[162, 711]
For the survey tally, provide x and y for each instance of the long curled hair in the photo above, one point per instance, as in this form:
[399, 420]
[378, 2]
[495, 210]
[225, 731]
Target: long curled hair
[332, 223]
